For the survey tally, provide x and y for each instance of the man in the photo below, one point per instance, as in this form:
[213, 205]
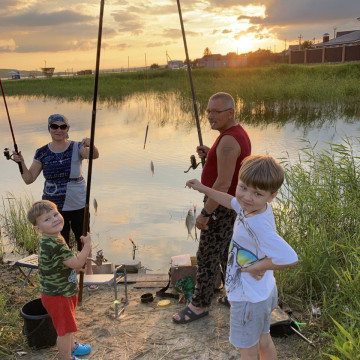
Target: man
[216, 222]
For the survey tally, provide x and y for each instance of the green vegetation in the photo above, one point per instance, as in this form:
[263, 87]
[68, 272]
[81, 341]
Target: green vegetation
[318, 215]
[13, 219]
[10, 331]
[276, 83]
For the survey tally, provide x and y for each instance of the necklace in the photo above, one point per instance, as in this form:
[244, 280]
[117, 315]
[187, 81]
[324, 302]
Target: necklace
[62, 152]
[251, 212]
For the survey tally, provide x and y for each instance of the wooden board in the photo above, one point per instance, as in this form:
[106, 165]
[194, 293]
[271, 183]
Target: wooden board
[131, 278]
[150, 284]
[98, 279]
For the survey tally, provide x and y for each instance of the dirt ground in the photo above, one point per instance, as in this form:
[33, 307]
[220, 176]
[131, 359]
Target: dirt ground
[142, 331]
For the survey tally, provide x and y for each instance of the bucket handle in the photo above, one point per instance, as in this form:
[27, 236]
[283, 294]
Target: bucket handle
[34, 330]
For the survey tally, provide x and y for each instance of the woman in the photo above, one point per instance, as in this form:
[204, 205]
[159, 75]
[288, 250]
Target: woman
[60, 161]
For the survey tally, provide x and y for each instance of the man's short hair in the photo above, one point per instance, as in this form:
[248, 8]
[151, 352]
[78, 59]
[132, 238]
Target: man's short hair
[39, 208]
[227, 99]
[262, 172]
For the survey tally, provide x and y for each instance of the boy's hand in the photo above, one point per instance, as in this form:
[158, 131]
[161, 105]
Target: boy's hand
[256, 274]
[194, 184]
[86, 240]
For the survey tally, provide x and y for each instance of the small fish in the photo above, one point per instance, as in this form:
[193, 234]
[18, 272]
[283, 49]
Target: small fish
[146, 133]
[152, 167]
[196, 237]
[95, 206]
[134, 248]
[190, 222]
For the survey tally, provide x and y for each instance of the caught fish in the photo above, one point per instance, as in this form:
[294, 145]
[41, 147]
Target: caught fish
[95, 206]
[190, 222]
[146, 133]
[152, 167]
[196, 237]
[134, 248]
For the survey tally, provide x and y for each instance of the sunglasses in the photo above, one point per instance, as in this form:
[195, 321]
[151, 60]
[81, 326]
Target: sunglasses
[243, 257]
[55, 126]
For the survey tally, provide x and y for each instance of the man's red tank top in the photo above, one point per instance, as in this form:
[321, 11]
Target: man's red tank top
[209, 173]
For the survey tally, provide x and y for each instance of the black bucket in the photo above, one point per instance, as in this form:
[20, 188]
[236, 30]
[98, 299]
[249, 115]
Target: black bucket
[38, 326]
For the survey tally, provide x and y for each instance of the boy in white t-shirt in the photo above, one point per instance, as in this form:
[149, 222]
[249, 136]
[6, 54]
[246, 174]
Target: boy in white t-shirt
[255, 251]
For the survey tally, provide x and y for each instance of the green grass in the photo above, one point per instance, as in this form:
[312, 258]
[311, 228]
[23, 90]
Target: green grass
[15, 225]
[318, 214]
[277, 83]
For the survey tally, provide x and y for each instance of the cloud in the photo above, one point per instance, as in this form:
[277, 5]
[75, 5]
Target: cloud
[158, 44]
[8, 45]
[176, 33]
[226, 31]
[127, 22]
[36, 19]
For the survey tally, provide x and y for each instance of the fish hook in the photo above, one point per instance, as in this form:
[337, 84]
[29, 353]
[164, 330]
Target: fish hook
[193, 165]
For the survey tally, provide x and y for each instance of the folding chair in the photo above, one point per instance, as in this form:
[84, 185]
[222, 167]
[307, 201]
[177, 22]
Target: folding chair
[30, 262]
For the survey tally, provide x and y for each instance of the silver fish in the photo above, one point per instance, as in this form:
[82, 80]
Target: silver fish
[190, 222]
[95, 206]
[152, 167]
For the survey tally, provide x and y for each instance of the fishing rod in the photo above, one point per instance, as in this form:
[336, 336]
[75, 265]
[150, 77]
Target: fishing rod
[192, 88]
[92, 136]
[6, 150]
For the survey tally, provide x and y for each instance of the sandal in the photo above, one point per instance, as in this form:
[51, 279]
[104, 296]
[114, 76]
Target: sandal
[191, 316]
[224, 301]
[93, 287]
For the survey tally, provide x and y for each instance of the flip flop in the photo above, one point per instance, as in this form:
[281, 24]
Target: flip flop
[191, 315]
[224, 301]
[93, 287]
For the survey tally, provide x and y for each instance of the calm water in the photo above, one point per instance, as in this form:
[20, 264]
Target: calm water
[133, 203]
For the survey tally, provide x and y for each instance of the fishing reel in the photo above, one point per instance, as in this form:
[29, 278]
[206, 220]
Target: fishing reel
[193, 165]
[99, 258]
[7, 154]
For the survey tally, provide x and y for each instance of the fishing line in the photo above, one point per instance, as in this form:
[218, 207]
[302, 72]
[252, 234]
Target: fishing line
[6, 151]
[92, 136]
[191, 84]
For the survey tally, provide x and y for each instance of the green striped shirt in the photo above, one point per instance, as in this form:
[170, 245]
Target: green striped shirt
[55, 277]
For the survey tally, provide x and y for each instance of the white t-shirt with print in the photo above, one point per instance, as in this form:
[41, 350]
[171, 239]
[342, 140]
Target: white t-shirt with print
[254, 238]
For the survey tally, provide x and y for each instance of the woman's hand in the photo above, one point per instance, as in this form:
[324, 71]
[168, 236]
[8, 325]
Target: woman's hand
[17, 157]
[86, 142]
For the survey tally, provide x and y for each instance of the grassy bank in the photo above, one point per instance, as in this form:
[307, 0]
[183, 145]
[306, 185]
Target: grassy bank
[279, 83]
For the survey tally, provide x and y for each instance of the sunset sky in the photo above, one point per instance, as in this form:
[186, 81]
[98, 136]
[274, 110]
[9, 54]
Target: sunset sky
[63, 34]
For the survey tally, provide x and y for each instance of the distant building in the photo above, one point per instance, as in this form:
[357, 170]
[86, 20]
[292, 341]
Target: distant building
[230, 60]
[48, 72]
[343, 48]
[175, 64]
[342, 38]
[84, 72]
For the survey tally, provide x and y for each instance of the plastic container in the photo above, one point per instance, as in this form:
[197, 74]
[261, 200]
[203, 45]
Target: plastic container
[181, 260]
[38, 326]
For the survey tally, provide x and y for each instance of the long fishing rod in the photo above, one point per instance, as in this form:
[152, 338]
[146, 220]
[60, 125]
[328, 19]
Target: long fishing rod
[6, 151]
[92, 136]
[191, 85]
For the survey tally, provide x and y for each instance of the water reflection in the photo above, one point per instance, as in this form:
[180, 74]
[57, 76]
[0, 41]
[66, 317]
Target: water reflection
[131, 202]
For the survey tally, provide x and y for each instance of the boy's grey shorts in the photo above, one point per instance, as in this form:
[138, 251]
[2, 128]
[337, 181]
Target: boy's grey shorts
[248, 321]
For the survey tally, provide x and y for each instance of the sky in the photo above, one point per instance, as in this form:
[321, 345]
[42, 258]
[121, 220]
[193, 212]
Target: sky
[63, 34]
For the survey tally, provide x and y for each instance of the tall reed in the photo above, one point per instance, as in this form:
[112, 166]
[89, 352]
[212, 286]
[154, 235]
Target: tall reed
[17, 228]
[318, 214]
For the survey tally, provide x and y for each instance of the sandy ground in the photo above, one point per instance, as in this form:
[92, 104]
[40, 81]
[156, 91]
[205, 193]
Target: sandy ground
[145, 331]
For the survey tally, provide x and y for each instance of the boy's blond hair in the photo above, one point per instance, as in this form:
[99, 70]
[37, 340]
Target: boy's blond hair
[39, 208]
[262, 172]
